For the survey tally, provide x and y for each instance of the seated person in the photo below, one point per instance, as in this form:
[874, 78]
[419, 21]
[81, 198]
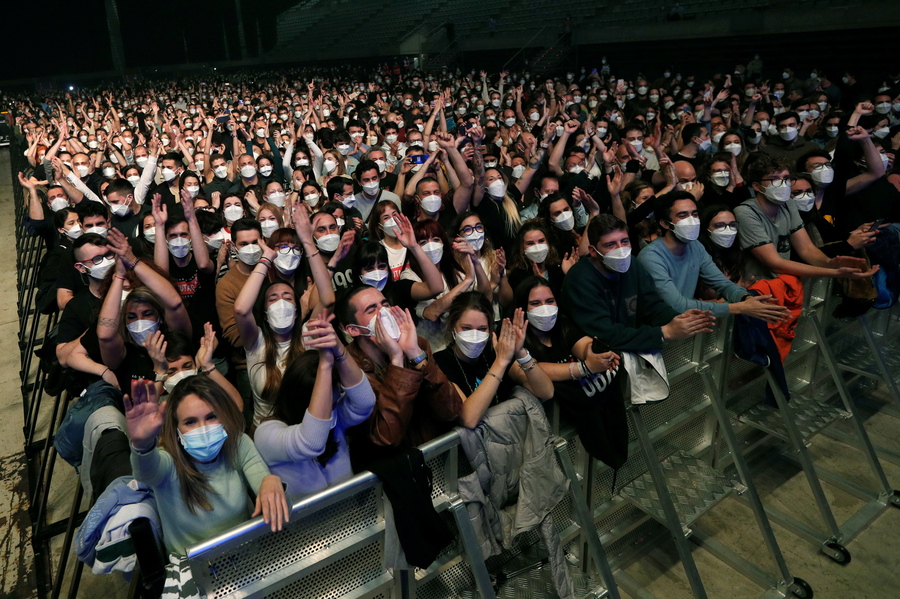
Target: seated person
[483, 372]
[304, 440]
[770, 228]
[609, 297]
[677, 262]
[414, 400]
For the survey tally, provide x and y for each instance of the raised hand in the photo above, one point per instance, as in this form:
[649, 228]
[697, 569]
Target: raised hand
[156, 348]
[144, 417]
[208, 345]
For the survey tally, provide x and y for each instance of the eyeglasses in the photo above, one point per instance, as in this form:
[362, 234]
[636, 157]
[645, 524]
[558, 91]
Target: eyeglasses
[733, 226]
[822, 165]
[466, 231]
[799, 192]
[780, 182]
[287, 249]
[98, 259]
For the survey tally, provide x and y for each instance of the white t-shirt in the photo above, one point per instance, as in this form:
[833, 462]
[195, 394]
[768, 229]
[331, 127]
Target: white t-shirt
[396, 261]
[256, 369]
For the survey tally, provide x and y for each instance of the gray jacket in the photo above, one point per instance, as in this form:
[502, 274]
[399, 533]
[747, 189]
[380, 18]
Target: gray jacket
[516, 481]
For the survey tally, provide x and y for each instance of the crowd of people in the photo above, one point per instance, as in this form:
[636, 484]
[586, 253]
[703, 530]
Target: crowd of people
[290, 276]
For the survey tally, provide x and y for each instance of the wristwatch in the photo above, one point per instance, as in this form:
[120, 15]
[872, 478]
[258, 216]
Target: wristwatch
[161, 378]
[419, 359]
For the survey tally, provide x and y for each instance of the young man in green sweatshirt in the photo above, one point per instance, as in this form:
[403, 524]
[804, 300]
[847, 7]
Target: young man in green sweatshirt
[614, 299]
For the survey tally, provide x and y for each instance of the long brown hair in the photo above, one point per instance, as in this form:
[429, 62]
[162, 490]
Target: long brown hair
[270, 361]
[194, 484]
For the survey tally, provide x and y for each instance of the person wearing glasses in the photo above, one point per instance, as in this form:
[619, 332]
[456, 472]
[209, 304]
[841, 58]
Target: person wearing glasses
[770, 227]
[677, 261]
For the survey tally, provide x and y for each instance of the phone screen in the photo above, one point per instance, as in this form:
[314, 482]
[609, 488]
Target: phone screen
[418, 158]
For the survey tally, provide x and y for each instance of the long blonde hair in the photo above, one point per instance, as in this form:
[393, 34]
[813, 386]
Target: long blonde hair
[513, 220]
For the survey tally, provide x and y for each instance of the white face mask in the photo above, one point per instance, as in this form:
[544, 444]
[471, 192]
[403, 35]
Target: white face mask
[497, 189]
[687, 229]
[537, 253]
[221, 171]
[518, 170]
[617, 260]
[832, 131]
[721, 178]
[805, 201]
[543, 318]
[142, 329]
[882, 132]
[178, 247]
[265, 171]
[268, 227]
[328, 243]
[233, 212]
[718, 137]
[883, 107]
[724, 238]
[193, 190]
[101, 231]
[172, 382]
[434, 250]
[475, 239]
[371, 188]
[822, 176]
[58, 203]
[82, 171]
[277, 198]
[390, 227]
[248, 171]
[704, 145]
[141, 161]
[281, 316]
[431, 203]
[215, 240]
[199, 164]
[778, 195]
[74, 232]
[565, 220]
[134, 180]
[330, 165]
[382, 165]
[109, 172]
[375, 278]
[734, 148]
[249, 254]
[312, 199]
[387, 322]
[788, 133]
[471, 343]
[755, 137]
[302, 162]
[169, 174]
[120, 209]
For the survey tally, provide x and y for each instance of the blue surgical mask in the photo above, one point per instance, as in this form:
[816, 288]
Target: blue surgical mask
[204, 443]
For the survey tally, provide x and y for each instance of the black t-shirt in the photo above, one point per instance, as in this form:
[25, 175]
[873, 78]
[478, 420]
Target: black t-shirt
[221, 185]
[128, 224]
[593, 405]
[695, 161]
[342, 275]
[468, 375]
[554, 273]
[135, 365]
[70, 278]
[79, 316]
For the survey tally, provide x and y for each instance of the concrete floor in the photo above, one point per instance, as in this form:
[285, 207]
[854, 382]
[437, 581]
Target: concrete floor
[872, 574]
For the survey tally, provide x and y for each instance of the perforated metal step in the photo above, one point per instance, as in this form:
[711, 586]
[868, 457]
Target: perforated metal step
[810, 416]
[694, 486]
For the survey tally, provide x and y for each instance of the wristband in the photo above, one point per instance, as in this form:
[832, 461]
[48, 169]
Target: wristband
[525, 360]
[265, 261]
[132, 266]
[419, 359]
[211, 368]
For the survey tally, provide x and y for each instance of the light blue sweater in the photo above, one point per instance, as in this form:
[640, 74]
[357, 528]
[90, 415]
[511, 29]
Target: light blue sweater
[291, 451]
[229, 498]
[676, 277]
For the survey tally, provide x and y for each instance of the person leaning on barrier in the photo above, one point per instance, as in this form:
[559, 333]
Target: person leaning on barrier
[414, 400]
[677, 262]
[614, 299]
[770, 228]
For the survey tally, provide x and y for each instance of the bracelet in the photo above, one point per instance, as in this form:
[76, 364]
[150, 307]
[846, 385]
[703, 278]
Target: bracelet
[419, 359]
[587, 371]
[572, 372]
[120, 277]
[132, 266]
[312, 255]
[211, 368]
[265, 261]
[494, 375]
[530, 367]
[104, 372]
[525, 360]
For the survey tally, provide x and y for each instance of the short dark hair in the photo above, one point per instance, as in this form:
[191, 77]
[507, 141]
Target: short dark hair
[601, 225]
[759, 165]
[244, 224]
[60, 216]
[337, 184]
[690, 131]
[343, 308]
[88, 209]
[817, 153]
[363, 166]
[120, 186]
[88, 239]
[173, 220]
[211, 222]
[664, 203]
[780, 118]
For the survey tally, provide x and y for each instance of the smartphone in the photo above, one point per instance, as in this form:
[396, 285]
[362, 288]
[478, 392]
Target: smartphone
[686, 109]
[876, 224]
[599, 347]
[222, 119]
[418, 158]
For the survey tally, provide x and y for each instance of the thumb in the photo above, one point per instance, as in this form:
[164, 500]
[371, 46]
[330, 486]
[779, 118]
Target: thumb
[258, 510]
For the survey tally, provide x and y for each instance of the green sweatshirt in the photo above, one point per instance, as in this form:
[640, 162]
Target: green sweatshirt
[626, 312]
[229, 498]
